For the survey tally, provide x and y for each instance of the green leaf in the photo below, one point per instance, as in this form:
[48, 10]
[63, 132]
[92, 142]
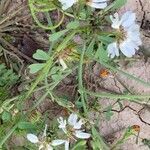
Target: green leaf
[115, 5]
[6, 116]
[7, 77]
[105, 39]
[83, 13]
[54, 70]
[98, 143]
[73, 25]
[55, 36]
[56, 77]
[25, 125]
[118, 4]
[102, 54]
[81, 145]
[89, 50]
[79, 104]
[127, 134]
[40, 55]
[34, 68]
[66, 40]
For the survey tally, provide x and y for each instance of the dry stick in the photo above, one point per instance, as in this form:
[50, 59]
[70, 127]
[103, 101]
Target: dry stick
[4, 5]
[8, 23]
[16, 50]
[8, 29]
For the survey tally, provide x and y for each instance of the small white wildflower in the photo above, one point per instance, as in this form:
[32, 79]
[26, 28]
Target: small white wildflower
[73, 121]
[130, 39]
[72, 128]
[62, 124]
[67, 3]
[42, 143]
[98, 4]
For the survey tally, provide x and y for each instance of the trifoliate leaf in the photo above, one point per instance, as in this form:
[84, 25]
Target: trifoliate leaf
[40, 55]
[34, 68]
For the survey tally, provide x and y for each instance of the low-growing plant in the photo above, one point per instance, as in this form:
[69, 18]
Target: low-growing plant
[83, 32]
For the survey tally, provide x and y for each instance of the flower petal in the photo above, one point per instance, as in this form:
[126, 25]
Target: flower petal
[41, 146]
[127, 48]
[115, 21]
[78, 124]
[57, 142]
[97, 5]
[113, 50]
[45, 130]
[62, 124]
[133, 33]
[66, 145]
[49, 147]
[32, 138]
[128, 19]
[98, 1]
[67, 3]
[72, 120]
[82, 135]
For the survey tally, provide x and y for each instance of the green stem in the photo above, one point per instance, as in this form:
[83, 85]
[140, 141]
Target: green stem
[40, 77]
[80, 82]
[33, 13]
[8, 135]
[124, 73]
[116, 96]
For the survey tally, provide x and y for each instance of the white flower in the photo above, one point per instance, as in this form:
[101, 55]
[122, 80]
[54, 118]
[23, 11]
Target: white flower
[98, 4]
[42, 143]
[72, 128]
[62, 124]
[129, 33]
[73, 121]
[67, 3]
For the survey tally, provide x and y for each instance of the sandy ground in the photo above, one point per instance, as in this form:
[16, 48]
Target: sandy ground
[131, 113]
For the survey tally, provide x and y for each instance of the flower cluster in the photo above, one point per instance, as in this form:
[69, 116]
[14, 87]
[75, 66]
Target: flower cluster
[72, 129]
[42, 142]
[129, 35]
[98, 4]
